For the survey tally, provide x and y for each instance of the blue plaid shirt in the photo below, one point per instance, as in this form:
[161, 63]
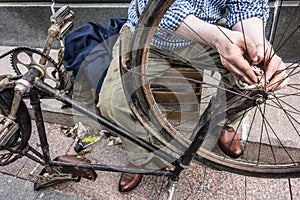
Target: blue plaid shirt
[210, 11]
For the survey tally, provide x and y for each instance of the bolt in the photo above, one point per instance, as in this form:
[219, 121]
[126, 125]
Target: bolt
[259, 101]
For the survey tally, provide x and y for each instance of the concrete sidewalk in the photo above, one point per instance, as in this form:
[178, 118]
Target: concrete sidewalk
[13, 188]
[197, 182]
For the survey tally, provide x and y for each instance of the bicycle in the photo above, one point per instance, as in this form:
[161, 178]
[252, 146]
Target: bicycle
[183, 145]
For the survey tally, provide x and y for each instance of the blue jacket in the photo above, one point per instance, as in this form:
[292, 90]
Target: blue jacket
[89, 48]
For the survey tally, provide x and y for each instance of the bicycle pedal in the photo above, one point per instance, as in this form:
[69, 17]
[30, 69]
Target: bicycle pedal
[62, 22]
[61, 14]
[84, 173]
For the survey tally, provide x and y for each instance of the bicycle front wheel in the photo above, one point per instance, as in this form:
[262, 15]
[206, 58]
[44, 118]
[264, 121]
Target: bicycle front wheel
[174, 97]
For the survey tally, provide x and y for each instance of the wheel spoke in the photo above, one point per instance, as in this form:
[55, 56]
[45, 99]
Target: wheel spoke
[282, 42]
[289, 117]
[267, 149]
[274, 133]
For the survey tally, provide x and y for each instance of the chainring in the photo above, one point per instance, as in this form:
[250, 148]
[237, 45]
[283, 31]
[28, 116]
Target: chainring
[24, 58]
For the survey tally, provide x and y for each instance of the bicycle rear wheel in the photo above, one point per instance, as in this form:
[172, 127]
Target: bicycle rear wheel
[269, 128]
[17, 134]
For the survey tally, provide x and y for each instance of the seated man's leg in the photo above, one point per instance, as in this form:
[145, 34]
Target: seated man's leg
[203, 57]
[207, 58]
[113, 105]
[229, 141]
[84, 94]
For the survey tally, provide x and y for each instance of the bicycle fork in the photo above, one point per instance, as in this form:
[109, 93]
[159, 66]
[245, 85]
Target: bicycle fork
[257, 97]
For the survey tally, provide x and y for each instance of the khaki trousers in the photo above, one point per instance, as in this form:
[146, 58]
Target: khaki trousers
[113, 104]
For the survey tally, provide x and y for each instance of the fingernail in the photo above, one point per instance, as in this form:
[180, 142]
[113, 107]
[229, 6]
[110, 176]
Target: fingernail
[255, 59]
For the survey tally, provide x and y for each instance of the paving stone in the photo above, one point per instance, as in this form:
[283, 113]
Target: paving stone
[51, 194]
[14, 188]
[15, 167]
[223, 185]
[261, 188]
[295, 187]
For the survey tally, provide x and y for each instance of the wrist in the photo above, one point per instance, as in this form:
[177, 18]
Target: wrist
[221, 37]
[197, 30]
[213, 35]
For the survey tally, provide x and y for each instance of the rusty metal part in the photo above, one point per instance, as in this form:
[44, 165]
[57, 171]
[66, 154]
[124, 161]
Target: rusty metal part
[30, 58]
[45, 179]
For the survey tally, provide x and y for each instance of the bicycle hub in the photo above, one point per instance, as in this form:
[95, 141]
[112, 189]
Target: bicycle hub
[260, 97]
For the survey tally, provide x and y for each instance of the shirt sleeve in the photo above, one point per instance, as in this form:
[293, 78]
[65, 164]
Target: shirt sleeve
[174, 16]
[243, 9]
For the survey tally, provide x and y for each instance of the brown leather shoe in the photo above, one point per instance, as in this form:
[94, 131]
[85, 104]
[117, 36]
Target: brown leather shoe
[230, 143]
[129, 181]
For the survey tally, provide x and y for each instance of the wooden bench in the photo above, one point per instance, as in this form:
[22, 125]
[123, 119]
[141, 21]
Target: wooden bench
[172, 92]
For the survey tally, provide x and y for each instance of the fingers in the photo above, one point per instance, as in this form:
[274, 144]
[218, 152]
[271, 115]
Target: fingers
[250, 49]
[274, 64]
[241, 68]
[233, 58]
[275, 75]
[275, 70]
[260, 54]
[279, 78]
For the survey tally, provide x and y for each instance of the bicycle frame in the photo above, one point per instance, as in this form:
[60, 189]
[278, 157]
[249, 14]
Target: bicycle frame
[32, 82]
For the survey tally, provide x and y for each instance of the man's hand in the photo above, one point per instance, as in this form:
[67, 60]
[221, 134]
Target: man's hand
[234, 44]
[232, 54]
[230, 44]
[232, 57]
[275, 73]
[275, 76]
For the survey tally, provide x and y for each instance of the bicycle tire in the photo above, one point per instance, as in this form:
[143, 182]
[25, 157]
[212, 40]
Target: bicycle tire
[286, 162]
[21, 137]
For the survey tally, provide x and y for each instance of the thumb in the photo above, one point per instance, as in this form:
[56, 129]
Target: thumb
[251, 50]
[260, 54]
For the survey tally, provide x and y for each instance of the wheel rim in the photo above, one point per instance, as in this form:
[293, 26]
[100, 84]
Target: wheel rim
[266, 152]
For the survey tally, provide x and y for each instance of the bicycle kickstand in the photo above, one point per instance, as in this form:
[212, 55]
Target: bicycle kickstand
[171, 188]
